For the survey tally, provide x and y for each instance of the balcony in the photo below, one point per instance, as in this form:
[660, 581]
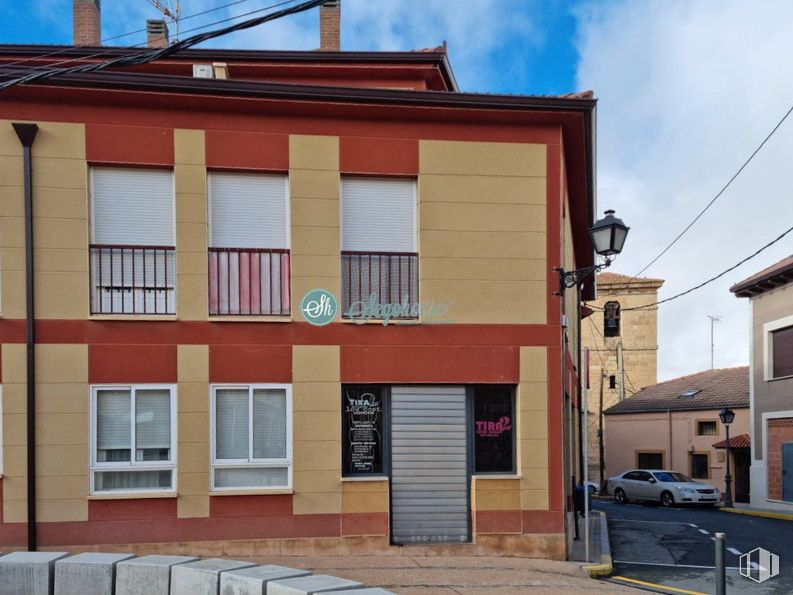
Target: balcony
[382, 277]
[132, 279]
[249, 282]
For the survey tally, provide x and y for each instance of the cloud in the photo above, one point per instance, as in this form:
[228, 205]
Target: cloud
[687, 91]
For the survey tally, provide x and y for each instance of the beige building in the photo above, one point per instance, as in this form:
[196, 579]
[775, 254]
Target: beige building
[614, 332]
[675, 425]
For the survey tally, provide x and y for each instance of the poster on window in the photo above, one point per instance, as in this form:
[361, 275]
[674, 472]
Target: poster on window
[362, 430]
[494, 429]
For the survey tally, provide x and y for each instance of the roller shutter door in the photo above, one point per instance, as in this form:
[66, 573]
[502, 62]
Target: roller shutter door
[429, 465]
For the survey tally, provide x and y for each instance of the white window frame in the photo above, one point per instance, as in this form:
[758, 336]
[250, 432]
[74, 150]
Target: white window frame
[768, 346]
[133, 465]
[250, 462]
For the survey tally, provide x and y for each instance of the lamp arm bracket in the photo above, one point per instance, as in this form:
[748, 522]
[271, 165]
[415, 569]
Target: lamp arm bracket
[569, 279]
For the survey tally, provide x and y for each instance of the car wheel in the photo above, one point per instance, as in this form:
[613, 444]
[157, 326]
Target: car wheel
[619, 495]
[667, 499]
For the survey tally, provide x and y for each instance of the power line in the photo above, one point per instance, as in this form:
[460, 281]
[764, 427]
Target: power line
[155, 54]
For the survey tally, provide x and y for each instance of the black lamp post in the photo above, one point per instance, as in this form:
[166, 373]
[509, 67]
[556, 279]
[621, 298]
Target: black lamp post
[608, 237]
[727, 415]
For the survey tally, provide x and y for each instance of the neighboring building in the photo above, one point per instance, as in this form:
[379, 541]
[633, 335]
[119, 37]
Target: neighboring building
[675, 425]
[181, 394]
[615, 333]
[770, 294]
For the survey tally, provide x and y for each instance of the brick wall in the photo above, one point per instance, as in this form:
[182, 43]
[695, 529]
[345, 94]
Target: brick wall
[86, 22]
[330, 26]
[779, 432]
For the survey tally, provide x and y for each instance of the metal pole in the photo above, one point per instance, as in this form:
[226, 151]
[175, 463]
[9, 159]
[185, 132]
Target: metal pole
[585, 423]
[721, 570]
[621, 367]
[601, 446]
[728, 477]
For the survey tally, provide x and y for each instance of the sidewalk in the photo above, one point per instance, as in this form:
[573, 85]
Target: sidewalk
[461, 575]
[770, 513]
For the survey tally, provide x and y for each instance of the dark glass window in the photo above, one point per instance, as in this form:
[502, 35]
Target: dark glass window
[362, 410]
[650, 460]
[611, 319]
[494, 429]
[782, 352]
[612, 381]
[699, 466]
[706, 428]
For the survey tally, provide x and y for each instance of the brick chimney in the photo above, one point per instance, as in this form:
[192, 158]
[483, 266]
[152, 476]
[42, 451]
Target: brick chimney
[157, 34]
[330, 26]
[86, 18]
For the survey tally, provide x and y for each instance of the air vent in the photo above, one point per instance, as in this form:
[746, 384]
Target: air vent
[203, 71]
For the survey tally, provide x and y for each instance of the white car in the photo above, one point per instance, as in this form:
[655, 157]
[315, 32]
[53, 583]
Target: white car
[660, 485]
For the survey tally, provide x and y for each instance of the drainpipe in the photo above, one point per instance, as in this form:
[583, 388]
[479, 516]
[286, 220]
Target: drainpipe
[669, 421]
[27, 134]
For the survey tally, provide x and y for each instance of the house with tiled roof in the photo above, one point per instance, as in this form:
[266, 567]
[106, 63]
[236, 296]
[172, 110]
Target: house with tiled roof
[675, 425]
[770, 293]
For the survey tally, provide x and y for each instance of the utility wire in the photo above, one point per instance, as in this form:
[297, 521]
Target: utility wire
[155, 54]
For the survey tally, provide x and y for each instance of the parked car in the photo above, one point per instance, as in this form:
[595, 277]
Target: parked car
[660, 485]
[592, 487]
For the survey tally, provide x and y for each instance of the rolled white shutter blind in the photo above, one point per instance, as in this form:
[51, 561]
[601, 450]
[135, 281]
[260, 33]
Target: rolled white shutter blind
[133, 206]
[113, 409]
[248, 210]
[231, 424]
[152, 419]
[378, 214]
[269, 424]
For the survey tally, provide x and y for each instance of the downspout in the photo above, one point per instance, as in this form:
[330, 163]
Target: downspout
[668, 463]
[27, 134]
[583, 457]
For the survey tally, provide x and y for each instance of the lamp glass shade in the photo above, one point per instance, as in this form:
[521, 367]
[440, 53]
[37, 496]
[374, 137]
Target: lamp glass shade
[727, 416]
[608, 235]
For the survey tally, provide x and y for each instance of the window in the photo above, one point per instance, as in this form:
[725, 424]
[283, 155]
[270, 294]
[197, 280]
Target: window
[650, 460]
[363, 409]
[707, 428]
[611, 319]
[251, 437]
[133, 438]
[699, 466]
[782, 352]
[248, 244]
[612, 381]
[379, 263]
[494, 429]
[132, 241]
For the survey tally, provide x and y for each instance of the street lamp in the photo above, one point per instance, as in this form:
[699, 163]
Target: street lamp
[608, 237]
[727, 415]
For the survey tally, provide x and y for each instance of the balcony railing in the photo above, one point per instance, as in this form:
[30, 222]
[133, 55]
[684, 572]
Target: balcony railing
[385, 277]
[249, 282]
[132, 279]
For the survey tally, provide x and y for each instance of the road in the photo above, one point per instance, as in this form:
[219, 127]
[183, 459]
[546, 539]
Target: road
[675, 547]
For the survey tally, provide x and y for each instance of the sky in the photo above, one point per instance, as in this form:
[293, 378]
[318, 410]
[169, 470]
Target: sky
[686, 90]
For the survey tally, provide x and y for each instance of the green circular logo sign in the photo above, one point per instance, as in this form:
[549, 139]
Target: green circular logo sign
[319, 307]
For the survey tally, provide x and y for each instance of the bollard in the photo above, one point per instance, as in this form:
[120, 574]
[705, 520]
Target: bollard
[721, 570]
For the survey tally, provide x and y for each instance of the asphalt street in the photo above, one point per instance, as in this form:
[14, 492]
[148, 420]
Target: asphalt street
[675, 547]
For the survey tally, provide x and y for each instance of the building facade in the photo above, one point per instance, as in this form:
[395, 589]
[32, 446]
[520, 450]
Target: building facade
[770, 294]
[623, 345]
[287, 308]
[675, 425]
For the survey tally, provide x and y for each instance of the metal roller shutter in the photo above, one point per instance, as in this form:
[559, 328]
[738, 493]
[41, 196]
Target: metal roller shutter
[429, 465]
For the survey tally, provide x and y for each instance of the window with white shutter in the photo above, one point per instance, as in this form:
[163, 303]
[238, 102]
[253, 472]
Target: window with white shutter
[248, 244]
[251, 437]
[379, 259]
[133, 438]
[132, 241]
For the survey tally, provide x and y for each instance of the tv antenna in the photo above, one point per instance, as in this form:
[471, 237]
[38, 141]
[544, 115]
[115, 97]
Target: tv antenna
[713, 320]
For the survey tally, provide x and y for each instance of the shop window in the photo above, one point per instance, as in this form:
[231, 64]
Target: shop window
[611, 319]
[650, 460]
[699, 466]
[133, 438]
[494, 429]
[707, 428]
[363, 409]
[251, 437]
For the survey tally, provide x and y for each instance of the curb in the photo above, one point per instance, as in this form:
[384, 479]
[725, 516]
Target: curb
[606, 567]
[760, 513]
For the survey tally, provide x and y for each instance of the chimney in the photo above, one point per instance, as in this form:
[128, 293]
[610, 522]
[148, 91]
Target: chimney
[157, 34]
[330, 26]
[86, 15]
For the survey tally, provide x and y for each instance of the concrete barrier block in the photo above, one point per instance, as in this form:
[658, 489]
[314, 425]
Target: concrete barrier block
[320, 583]
[87, 574]
[202, 577]
[253, 581]
[28, 573]
[148, 575]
